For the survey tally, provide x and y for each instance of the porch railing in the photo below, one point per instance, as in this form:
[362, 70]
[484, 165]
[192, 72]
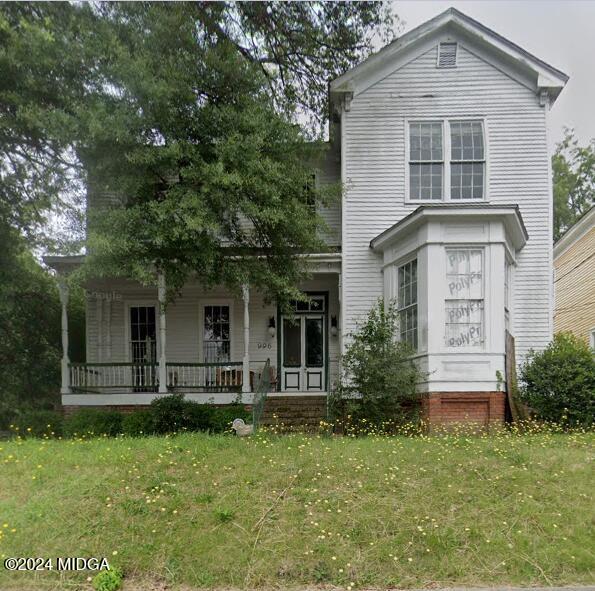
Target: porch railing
[144, 377]
[97, 376]
[208, 377]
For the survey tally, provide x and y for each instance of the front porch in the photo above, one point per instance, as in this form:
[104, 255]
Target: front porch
[213, 346]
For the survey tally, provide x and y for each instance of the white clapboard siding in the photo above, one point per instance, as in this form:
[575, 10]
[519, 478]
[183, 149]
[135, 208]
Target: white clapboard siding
[328, 172]
[374, 168]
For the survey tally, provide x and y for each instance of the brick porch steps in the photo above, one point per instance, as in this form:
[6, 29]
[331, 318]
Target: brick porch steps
[294, 411]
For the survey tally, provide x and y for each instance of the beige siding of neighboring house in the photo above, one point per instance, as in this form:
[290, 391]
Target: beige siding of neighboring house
[374, 164]
[575, 287]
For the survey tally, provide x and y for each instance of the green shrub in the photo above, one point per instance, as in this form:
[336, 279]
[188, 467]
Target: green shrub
[169, 413]
[138, 422]
[93, 421]
[558, 384]
[198, 416]
[108, 580]
[379, 381]
[37, 423]
[173, 413]
[222, 417]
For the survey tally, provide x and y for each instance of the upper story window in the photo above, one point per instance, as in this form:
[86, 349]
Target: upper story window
[446, 160]
[467, 160]
[426, 161]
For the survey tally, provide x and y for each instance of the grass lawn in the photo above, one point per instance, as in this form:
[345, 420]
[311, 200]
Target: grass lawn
[216, 511]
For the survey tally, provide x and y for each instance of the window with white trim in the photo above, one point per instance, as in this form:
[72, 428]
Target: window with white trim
[467, 160]
[447, 160]
[464, 323]
[592, 339]
[426, 160]
[216, 334]
[407, 302]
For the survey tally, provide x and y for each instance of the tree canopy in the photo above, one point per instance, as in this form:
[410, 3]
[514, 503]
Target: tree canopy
[573, 169]
[197, 118]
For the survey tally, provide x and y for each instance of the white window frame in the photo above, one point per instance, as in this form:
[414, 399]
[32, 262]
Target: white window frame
[447, 160]
[396, 298]
[201, 326]
[127, 335]
[485, 297]
[592, 338]
[409, 162]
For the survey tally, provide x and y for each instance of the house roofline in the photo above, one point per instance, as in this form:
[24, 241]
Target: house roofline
[548, 77]
[575, 232]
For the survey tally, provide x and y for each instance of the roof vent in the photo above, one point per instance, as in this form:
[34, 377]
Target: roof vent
[447, 55]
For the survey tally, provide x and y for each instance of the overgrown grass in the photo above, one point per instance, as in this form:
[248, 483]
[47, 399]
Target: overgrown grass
[216, 511]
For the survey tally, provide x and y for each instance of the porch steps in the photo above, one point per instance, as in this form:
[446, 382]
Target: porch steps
[304, 412]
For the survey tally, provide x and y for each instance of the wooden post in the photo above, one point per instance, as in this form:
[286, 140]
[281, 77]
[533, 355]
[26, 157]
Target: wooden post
[161, 294]
[63, 290]
[246, 358]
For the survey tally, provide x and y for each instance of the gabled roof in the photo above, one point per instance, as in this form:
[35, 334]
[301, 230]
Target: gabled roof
[544, 76]
[583, 225]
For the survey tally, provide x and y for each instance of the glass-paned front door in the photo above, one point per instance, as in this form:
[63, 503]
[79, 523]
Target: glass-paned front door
[303, 353]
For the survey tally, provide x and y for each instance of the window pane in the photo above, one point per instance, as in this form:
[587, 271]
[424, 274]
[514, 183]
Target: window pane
[464, 273]
[464, 320]
[143, 342]
[466, 181]
[314, 342]
[466, 140]
[464, 300]
[292, 343]
[425, 181]
[407, 302]
[425, 141]
[216, 334]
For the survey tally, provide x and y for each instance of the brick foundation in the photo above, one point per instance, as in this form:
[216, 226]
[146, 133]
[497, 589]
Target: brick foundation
[483, 409]
[68, 409]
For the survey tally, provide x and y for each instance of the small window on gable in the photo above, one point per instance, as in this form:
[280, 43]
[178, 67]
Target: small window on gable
[447, 55]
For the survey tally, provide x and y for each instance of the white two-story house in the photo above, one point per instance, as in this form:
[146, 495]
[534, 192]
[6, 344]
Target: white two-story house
[440, 143]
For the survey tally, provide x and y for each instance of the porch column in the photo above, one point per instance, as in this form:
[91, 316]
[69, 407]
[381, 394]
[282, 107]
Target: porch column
[63, 290]
[246, 358]
[162, 334]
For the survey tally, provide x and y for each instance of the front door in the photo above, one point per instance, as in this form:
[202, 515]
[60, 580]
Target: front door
[303, 352]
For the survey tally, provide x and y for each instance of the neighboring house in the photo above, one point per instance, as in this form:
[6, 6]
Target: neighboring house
[574, 279]
[440, 140]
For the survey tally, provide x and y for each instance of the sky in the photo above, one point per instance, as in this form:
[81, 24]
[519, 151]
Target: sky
[561, 33]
